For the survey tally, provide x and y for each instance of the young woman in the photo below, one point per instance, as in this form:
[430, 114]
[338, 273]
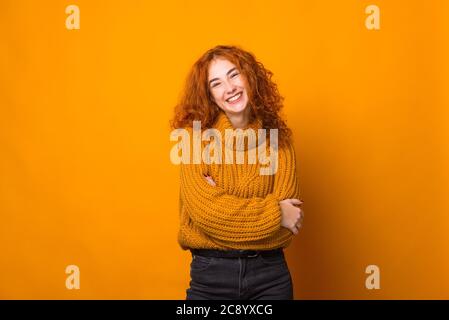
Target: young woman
[235, 220]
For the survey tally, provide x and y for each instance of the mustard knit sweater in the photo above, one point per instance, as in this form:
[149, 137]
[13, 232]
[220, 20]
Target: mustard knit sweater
[242, 211]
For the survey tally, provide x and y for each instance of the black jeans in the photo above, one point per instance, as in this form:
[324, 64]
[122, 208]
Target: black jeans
[253, 278]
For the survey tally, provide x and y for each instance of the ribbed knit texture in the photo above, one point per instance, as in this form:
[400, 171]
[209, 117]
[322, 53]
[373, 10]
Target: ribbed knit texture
[242, 211]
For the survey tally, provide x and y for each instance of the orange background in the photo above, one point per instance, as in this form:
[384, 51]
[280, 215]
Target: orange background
[85, 175]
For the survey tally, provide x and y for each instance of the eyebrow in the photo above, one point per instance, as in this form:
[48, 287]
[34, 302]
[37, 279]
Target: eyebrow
[227, 73]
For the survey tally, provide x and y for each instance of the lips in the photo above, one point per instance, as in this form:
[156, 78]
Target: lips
[235, 98]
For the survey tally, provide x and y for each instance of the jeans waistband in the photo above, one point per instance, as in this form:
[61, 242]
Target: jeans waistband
[236, 253]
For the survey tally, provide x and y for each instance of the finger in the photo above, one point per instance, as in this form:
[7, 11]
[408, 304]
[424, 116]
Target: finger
[294, 230]
[210, 180]
[295, 201]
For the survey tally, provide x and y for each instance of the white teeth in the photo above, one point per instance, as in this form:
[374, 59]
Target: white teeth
[234, 97]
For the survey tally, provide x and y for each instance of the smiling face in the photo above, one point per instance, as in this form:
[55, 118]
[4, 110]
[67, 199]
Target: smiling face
[227, 86]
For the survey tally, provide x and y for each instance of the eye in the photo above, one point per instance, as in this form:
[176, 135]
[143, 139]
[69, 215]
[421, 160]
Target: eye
[234, 75]
[215, 84]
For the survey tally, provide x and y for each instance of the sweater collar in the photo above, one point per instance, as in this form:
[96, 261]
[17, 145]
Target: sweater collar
[222, 123]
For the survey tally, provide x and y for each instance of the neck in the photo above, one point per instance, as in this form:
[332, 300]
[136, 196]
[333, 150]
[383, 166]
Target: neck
[239, 120]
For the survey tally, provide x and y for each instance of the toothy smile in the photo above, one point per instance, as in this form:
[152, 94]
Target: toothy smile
[234, 97]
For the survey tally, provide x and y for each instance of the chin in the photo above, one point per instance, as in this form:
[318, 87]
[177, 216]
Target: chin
[236, 109]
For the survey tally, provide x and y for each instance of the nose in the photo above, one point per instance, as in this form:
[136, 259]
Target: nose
[229, 87]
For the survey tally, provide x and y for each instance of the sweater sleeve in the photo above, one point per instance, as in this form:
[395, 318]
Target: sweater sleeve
[230, 218]
[223, 216]
[286, 186]
[286, 183]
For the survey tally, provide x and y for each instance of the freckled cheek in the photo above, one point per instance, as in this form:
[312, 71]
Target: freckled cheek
[218, 96]
[242, 84]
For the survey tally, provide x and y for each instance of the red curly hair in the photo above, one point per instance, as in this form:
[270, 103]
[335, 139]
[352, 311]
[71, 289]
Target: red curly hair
[265, 102]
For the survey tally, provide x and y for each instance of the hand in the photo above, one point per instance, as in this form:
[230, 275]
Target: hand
[292, 216]
[210, 180]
